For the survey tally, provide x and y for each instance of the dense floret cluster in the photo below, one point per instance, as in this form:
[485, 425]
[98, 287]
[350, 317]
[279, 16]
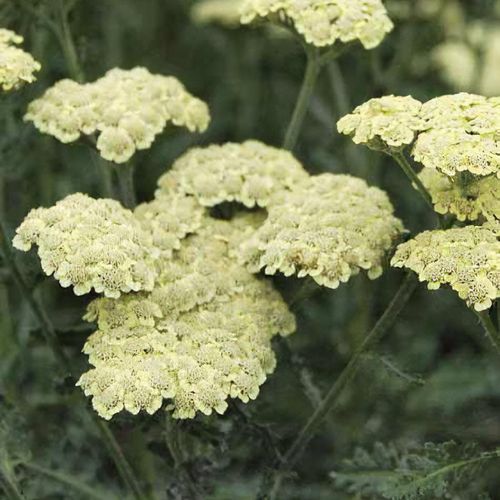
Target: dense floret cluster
[389, 121]
[329, 227]
[467, 259]
[202, 336]
[451, 134]
[324, 22]
[465, 197]
[250, 173]
[127, 109]
[16, 66]
[90, 244]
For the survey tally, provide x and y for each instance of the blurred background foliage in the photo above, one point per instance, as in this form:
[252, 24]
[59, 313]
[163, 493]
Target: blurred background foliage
[433, 379]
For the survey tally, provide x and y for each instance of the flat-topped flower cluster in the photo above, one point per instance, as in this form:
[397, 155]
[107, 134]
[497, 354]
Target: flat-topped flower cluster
[196, 329]
[125, 109]
[457, 140]
[322, 23]
[17, 67]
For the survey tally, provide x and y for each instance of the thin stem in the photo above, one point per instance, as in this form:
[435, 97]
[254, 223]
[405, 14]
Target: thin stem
[125, 175]
[311, 76]
[119, 459]
[413, 177]
[9, 485]
[490, 329]
[68, 44]
[69, 481]
[330, 401]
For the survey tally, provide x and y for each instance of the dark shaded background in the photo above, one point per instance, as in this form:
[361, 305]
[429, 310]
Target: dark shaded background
[433, 378]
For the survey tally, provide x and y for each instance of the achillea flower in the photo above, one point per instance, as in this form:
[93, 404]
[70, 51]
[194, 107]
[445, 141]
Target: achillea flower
[224, 12]
[384, 123]
[467, 259]
[467, 199]
[202, 336]
[324, 22]
[250, 173]
[329, 227]
[16, 66]
[169, 220]
[90, 244]
[126, 108]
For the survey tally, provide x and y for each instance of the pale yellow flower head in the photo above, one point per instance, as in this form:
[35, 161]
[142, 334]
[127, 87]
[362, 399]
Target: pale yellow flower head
[467, 259]
[329, 227]
[90, 244]
[203, 335]
[324, 22]
[127, 109]
[250, 173]
[384, 123]
[17, 67]
[224, 12]
[466, 199]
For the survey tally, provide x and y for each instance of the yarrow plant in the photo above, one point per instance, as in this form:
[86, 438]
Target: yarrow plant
[187, 293]
[17, 67]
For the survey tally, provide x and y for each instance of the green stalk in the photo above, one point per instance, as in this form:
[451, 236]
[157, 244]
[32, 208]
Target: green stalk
[125, 174]
[76, 485]
[313, 69]
[490, 329]
[330, 401]
[9, 485]
[413, 177]
[119, 459]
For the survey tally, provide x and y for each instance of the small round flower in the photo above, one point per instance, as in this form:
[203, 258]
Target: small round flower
[467, 259]
[224, 12]
[127, 109]
[16, 66]
[384, 123]
[250, 173]
[329, 227]
[467, 199]
[202, 336]
[90, 244]
[324, 22]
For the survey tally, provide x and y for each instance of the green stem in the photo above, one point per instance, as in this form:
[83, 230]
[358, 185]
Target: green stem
[68, 45]
[119, 459]
[9, 485]
[69, 481]
[330, 401]
[313, 69]
[490, 329]
[125, 174]
[413, 177]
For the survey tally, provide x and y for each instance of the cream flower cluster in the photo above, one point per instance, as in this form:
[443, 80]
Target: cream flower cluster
[126, 108]
[391, 121]
[461, 134]
[451, 134]
[202, 336]
[224, 12]
[322, 22]
[90, 244]
[329, 227]
[16, 66]
[250, 173]
[169, 220]
[467, 259]
[467, 199]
